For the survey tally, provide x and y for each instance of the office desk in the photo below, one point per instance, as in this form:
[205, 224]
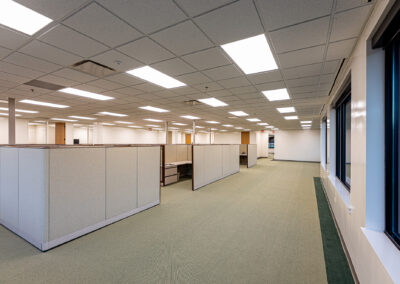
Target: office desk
[243, 159]
[176, 170]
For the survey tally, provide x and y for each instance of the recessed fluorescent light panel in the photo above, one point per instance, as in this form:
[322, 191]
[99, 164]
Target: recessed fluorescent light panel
[153, 120]
[82, 117]
[306, 121]
[238, 127]
[238, 113]
[213, 102]
[64, 119]
[252, 54]
[123, 122]
[135, 126]
[85, 94]
[276, 95]
[156, 109]
[156, 77]
[262, 123]
[190, 117]
[293, 117]
[179, 124]
[112, 114]
[253, 119]
[286, 109]
[21, 18]
[6, 114]
[199, 126]
[20, 110]
[107, 124]
[212, 122]
[227, 125]
[152, 125]
[32, 102]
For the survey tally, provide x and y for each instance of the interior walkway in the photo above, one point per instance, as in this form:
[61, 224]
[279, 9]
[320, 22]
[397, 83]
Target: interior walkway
[258, 226]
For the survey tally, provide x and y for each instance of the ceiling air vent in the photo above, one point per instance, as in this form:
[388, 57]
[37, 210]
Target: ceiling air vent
[44, 85]
[93, 68]
[192, 102]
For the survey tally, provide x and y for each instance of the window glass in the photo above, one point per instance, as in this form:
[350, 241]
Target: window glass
[348, 142]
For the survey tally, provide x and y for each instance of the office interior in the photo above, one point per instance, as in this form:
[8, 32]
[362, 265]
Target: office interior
[194, 141]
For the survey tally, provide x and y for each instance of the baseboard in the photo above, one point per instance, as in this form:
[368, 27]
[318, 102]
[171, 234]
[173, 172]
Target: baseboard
[346, 252]
[283, 160]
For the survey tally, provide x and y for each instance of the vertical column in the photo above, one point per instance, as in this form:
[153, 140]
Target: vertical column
[210, 135]
[46, 138]
[166, 132]
[11, 121]
[194, 132]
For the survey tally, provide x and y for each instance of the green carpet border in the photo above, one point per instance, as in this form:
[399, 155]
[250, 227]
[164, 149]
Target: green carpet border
[336, 264]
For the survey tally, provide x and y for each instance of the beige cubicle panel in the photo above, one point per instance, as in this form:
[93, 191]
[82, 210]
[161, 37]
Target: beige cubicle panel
[243, 149]
[213, 162]
[52, 195]
[251, 155]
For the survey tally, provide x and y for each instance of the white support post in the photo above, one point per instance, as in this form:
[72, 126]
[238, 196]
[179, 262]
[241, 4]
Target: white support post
[11, 121]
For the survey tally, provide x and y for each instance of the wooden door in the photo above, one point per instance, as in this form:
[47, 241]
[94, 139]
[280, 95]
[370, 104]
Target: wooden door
[246, 137]
[188, 138]
[60, 133]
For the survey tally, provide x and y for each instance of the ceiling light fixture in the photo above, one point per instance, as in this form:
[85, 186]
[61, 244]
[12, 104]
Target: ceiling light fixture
[252, 54]
[276, 95]
[112, 114]
[179, 124]
[20, 110]
[190, 117]
[123, 122]
[64, 119]
[227, 125]
[135, 126]
[286, 109]
[6, 114]
[238, 113]
[253, 119]
[82, 117]
[152, 125]
[107, 124]
[153, 120]
[156, 109]
[21, 18]
[306, 121]
[156, 77]
[293, 117]
[32, 102]
[262, 123]
[85, 94]
[213, 102]
[212, 122]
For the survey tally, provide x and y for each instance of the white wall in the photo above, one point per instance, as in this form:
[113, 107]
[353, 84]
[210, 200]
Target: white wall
[262, 144]
[21, 131]
[360, 211]
[227, 138]
[297, 145]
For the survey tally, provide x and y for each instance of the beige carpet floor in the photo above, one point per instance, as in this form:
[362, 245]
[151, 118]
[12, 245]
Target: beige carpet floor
[258, 226]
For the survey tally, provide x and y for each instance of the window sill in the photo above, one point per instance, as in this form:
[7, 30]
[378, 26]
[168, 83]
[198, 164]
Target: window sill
[386, 251]
[342, 190]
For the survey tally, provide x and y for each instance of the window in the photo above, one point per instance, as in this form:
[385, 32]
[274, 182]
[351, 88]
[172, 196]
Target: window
[343, 137]
[392, 51]
[325, 128]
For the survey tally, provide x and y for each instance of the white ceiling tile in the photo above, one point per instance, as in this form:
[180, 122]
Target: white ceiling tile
[225, 25]
[50, 53]
[207, 59]
[8, 84]
[348, 24]
[196, 7]
[124, 79]
[234, 82]
[303, 89]
[58, 81]
[101, 25]
[270, 86]
[117, 60]
[13, 78]
[105, 84]
[302, 56]
[340, 49]
[281, 13]
[349, 4]
[302, 71]
[224, 72]
[147, 16]
[18, 70]
[331, 67]
[12, 39]
[4, 51]
[211, 86]
[173, 67]
[53, 9]
[243, 90]
[182, 38]
[72, 41]
[74, 75]
[301, 36]
[148, 87]
[265, 77]
[31, 62]
[193, 78]
[302, 81]
[146, 50]
[185, 90]
[327, 79]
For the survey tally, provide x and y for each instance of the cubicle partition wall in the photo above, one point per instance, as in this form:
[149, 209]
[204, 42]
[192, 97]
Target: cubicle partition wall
[213, 162]
[248, 155]
[51, 194]
[176, 162]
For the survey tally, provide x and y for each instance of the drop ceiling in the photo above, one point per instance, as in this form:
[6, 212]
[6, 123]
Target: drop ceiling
[182, 38]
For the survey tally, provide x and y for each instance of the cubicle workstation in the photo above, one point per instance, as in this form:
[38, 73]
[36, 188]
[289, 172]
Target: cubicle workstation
[52, 194]
[176, 163]
[213, 162]
[248, 155]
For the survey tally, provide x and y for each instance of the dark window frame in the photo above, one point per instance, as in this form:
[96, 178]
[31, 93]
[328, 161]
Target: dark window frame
[341, 135]
[392, 85]
[325, 123]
